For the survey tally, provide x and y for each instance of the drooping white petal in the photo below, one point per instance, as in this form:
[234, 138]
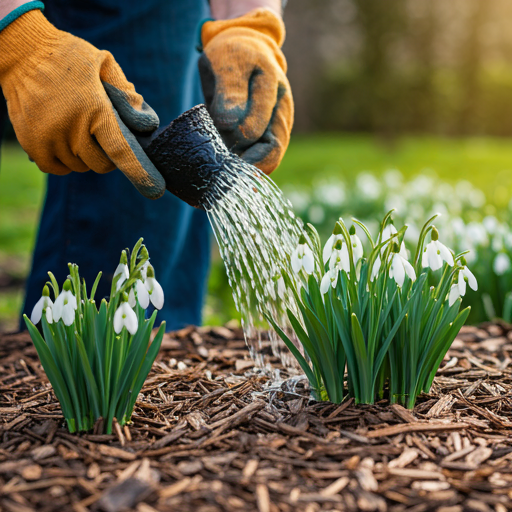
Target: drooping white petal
[454, 294]
[445, 253]
[122, 269]
[396, 270]
[142, 294]
[296, 259]
[357, 248]
[325, 283]
[125, 317]
[409, 269]
[68, 315]
[471, 278]
[156, 293]
[37, 312]
[308, 260]
[131, 322]
[328, 248]
[118, 320]
[403, 251]
[388, 231]
[49, 315]
[131, 298]
[461, 283]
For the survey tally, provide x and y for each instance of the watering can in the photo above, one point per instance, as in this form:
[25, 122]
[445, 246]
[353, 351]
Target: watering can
[191, 155]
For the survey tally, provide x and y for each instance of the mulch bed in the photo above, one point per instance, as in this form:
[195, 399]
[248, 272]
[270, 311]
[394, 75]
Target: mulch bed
[208, 435]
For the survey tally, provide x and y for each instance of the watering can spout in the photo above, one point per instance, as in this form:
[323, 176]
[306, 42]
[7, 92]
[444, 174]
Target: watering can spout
[190, 155]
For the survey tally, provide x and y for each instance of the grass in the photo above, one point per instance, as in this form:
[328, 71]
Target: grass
[486, 162]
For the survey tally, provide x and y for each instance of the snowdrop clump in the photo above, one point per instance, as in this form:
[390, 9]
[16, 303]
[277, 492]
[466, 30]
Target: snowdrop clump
[370, 314]
[98, 356]
[467, 222]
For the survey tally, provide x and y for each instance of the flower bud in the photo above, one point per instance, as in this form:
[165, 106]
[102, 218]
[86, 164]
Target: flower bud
[352, 230]
[337, 229]
[67, 285]
[434, 234]
[124, 297]
[46, 291]
[463, 261]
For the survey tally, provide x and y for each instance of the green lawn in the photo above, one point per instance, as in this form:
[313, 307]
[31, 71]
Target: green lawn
[485, 162]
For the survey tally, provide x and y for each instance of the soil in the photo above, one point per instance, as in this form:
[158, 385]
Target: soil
[209, 436]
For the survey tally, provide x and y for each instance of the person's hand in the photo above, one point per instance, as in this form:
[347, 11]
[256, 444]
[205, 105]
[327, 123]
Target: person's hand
[243, 74]
[71, 106]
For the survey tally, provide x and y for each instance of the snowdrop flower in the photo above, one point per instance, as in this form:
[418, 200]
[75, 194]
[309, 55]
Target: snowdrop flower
[435, 253]
[387, 233]
[330, 279]
[340, 259]
[501, 264]
[302, 257]
[357, 245]
[142, 295]
[331, 243]
[122, 269]
[44, 304]
[125, 317]
[65, 305]
[458, 289]
[156, 294]
[400, 267]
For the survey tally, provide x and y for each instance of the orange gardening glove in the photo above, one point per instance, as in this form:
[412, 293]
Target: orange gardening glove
[243, 74]
[61, 92]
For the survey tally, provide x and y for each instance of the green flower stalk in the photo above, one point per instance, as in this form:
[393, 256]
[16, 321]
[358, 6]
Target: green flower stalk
[374, 320]
[97, 358]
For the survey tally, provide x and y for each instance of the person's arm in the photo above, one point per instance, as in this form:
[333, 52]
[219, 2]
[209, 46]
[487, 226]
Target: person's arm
[7, 6]
[228, 9]
[243, 74]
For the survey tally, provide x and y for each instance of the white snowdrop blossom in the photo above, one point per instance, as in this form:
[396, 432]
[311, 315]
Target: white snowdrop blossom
[399, 268]
[330, 279]
[154, 289]
[340, 259]
[458, 289]
[44, 304]
[142, 295]
[387, 233]
[331, 243]
[65, 305]
[125, 317]
[302, 257]
[501, 264]
[357, 246]
[375, 268]
[122, 269]
[435, 253]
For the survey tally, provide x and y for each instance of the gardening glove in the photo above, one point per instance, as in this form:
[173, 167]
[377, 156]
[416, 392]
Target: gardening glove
[71, 106]
[243, 74]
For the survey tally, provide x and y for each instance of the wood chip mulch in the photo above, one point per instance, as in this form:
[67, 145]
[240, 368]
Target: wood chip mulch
[209, 436]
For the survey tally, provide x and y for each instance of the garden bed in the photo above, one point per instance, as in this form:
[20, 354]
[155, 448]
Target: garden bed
[210, 437]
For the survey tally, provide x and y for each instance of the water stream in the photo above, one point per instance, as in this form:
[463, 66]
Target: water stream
[256, 231]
